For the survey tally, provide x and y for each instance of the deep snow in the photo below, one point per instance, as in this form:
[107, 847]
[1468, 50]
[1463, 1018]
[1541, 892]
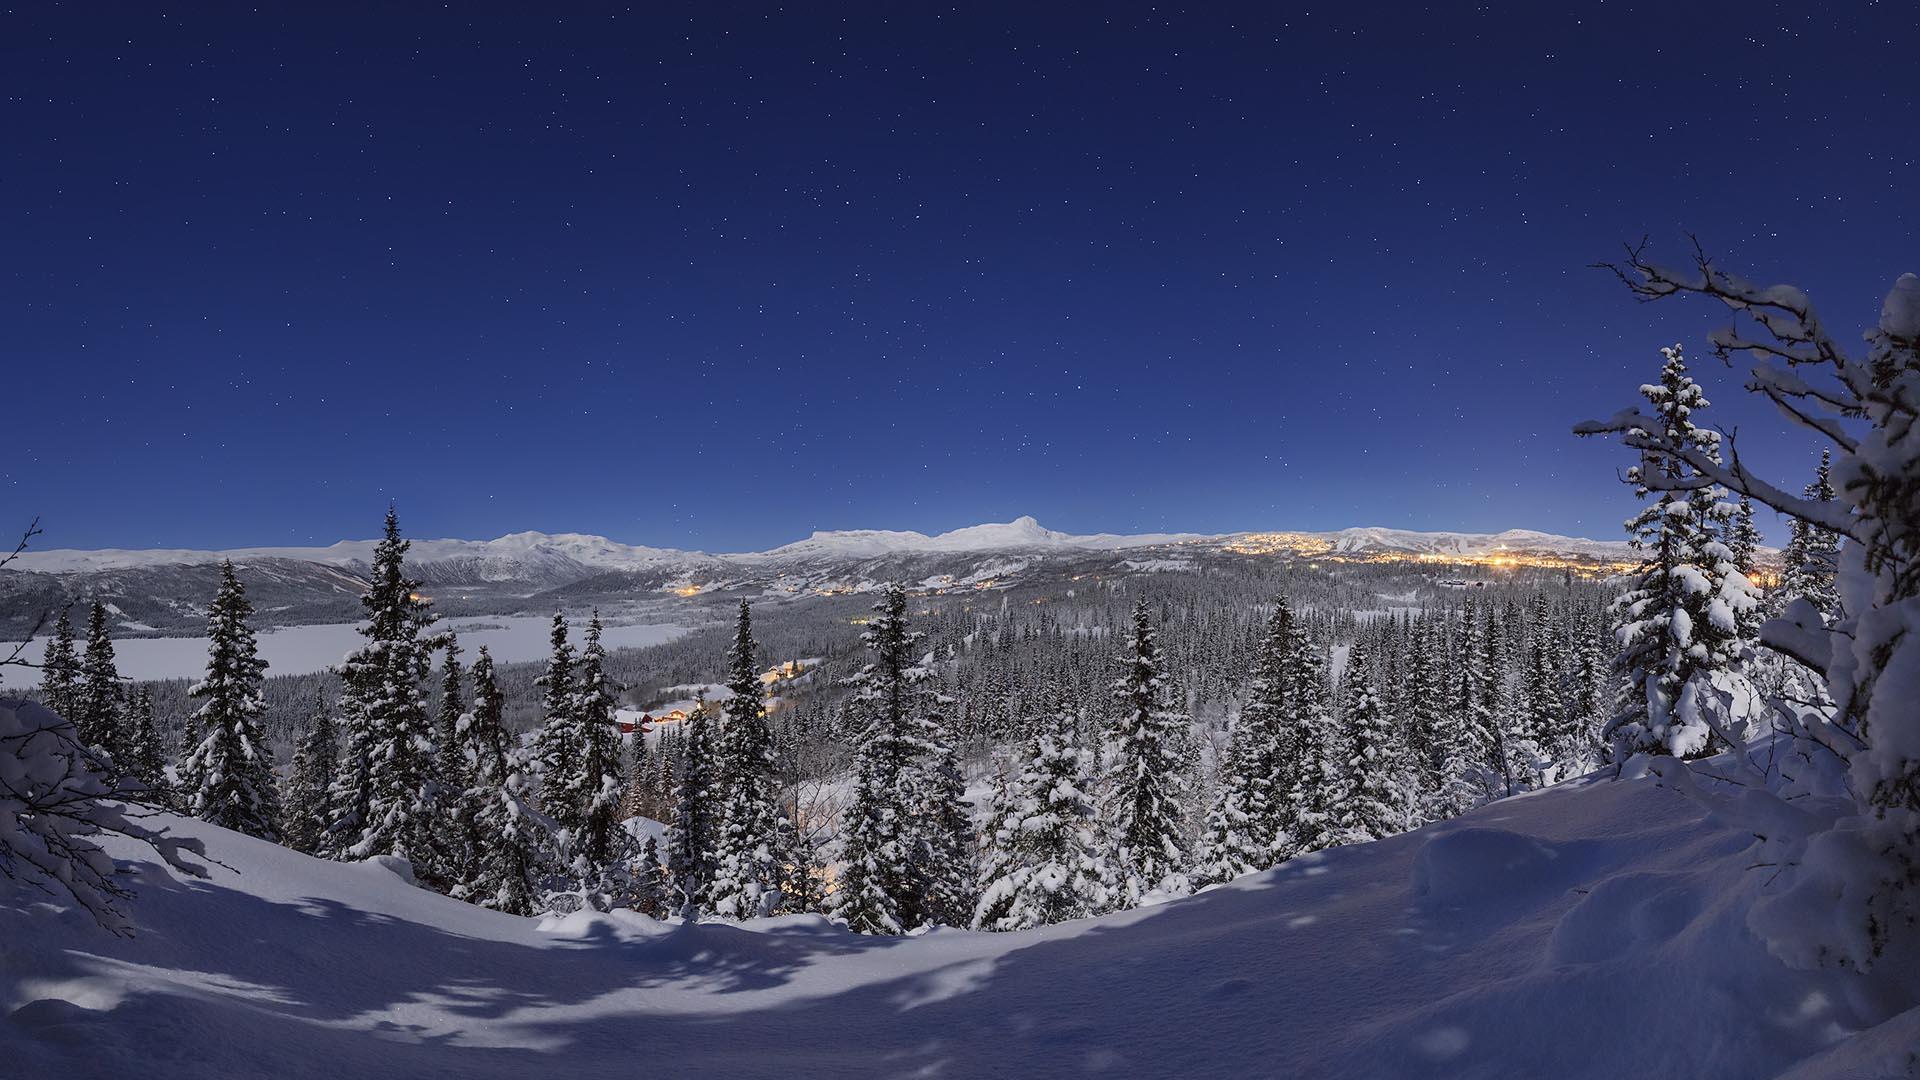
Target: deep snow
[1593, 930]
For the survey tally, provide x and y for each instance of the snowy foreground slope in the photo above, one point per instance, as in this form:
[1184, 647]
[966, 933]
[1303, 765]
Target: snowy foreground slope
[1591, 930]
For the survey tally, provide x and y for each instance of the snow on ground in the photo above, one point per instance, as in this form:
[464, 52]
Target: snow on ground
[1595, 930]
[299, 650]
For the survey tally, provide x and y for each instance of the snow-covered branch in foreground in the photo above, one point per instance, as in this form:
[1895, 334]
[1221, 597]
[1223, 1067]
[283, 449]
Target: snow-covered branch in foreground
[1850, 888]
[54, 805]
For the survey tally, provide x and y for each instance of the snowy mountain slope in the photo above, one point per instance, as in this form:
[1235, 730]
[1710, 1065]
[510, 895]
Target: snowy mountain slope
[542, 556]
[1590, 931]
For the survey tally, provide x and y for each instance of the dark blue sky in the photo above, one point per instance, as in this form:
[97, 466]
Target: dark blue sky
[714, 278]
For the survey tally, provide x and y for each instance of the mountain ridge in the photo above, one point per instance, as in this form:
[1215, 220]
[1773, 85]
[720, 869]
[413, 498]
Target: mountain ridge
[601, 553]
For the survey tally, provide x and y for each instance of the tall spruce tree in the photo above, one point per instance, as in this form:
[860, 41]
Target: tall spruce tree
[96, 701]
[597, 790]
[1678, 625]
[145, 761]
[230, 779]
[875, 893]
[558, 744]
[692, 834]
[747, 851]
[943, 832]
[1250, 818]
[1143, 806]
[1318, 749]
[1046, 860]
[60, 670]
[390, 732]
[509, 837]
[1811, 561]
[304, 807]
[1375, 802]
[453, 771]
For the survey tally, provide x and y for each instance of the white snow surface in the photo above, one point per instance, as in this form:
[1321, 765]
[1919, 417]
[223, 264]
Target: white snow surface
[1594, 930]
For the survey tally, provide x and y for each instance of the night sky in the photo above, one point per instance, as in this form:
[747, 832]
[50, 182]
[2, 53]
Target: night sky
[714, 278]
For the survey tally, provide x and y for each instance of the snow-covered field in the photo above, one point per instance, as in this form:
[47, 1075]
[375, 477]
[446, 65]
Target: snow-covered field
[299, 650]
[1593, 930]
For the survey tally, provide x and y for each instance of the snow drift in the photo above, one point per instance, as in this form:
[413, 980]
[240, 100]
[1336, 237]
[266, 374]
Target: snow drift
[1592, 930]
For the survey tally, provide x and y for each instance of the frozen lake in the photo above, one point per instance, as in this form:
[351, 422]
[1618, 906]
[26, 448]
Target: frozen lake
[299, 650]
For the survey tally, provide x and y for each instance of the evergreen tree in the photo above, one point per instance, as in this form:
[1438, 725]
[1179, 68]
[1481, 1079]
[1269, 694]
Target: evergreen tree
[1743, 541]
[96, 700]
[453, 772]
[1318, 749]
[692, 835]
[1810, 563]
[1375, 802]
[875, 893]
[558, 746]
[1422, 716]
[389, 730]
[1678, 626]
[145, 762]
[229, 774]
[1250, 818]
[650, 885]
[509, 836]
[597, 791]
[1544, 724]
[305, 805]
[60, 670]
[1144, 805]
[944, 856]
[747, 851]
[1046, 860]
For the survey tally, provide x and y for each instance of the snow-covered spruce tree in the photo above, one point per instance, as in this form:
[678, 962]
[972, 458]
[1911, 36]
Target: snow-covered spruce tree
[557, 748]
[60, 669]
[1376, 798]
[1147, 772]
[1318, 747]
[1844, 826]
[1678, 626]
[1046, 860]
[1423, 717]
[510, 838]
[650, 885]
[453, 705]
[453, 770]
[692, 835]
[875, 891]
[145, 764]
[1743, 542]
[1496, 719]
[1231, 842]
[597, 789]
[304, 807]
[96, 699]
[943, 827]
[385, 705]
[747, 848]
[56, 803]
[1249, 815]
[1811, 561]
[1544, 746]
[229, 775]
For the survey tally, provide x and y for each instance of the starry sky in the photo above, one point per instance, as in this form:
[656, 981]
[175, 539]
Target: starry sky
[715, 276]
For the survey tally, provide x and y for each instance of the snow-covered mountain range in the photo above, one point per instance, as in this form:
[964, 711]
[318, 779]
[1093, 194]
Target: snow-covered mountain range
[541, 556]
[165, 591]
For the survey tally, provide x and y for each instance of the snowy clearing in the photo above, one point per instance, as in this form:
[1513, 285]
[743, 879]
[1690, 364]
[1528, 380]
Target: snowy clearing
[1593, 930]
